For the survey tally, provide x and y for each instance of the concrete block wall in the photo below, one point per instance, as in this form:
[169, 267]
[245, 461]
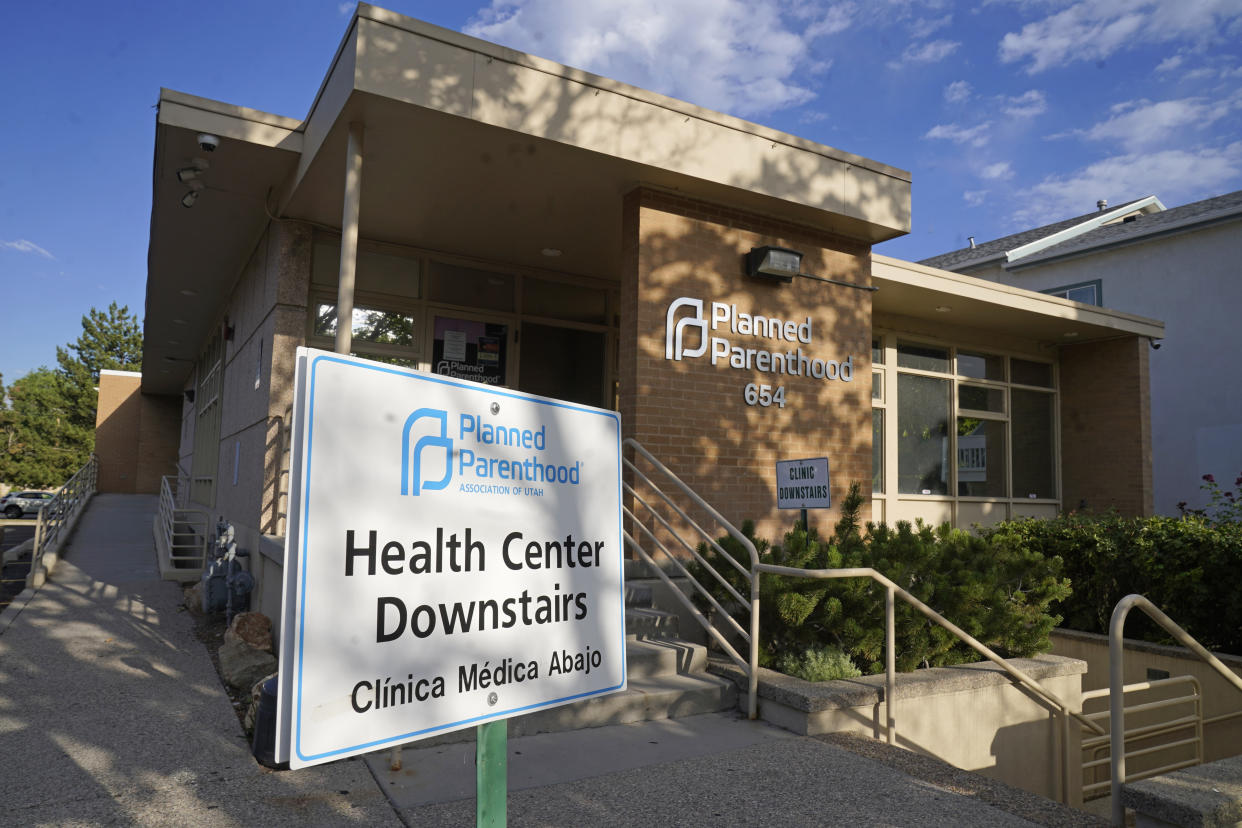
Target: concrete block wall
[1106, 460]
[691, 414]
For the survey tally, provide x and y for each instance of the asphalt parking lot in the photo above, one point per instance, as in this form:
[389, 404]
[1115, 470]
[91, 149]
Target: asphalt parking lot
[13, 574]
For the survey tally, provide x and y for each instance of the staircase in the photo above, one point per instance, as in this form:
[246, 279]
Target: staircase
[666, 675]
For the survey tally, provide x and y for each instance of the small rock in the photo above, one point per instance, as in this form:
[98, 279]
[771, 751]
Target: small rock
[194, 598]
[253, 628]
[242, 665]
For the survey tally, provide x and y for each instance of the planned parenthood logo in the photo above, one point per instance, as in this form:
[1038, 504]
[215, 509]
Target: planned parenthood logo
[413, 479]
[674, 331]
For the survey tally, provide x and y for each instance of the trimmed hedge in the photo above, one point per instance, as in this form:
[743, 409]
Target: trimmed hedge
[996, 589]
[1190, 567]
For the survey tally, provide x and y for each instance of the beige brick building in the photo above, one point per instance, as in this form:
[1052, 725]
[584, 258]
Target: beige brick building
[493, 216]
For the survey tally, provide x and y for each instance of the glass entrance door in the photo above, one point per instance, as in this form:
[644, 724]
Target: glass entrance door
[470, 349]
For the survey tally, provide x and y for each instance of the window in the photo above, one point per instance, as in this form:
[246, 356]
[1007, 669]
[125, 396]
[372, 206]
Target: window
[962, 425]
[206, 460]
[1089, 293]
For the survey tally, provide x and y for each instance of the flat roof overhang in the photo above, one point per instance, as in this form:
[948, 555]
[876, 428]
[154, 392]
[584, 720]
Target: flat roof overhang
[471, 149]
[915, 291]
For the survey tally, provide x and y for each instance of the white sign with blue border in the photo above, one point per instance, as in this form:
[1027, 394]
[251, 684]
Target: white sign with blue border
[453, 557]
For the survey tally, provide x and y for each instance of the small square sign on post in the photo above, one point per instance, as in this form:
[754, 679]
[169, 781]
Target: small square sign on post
[803, 484]
[453, 557]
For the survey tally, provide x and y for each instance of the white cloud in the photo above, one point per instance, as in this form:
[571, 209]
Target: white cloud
[1169, 64]
[1095, 29]
[957, 92]
[933, 51]
[1139, 125]
[925, 27]
[1000, 171]
[1175, 176]
[976, 136]
[812, 116]
[346, 8]
[1027, 105]
[24, 246]
[974, 197]
[731, 55]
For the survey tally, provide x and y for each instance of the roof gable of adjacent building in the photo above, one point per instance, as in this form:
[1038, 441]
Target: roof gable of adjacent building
[1132, 222]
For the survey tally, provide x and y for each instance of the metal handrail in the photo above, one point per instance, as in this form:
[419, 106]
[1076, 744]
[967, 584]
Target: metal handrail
[750, 664]
[892, 590]
[1195, 721]
[58, 516]
[1116, 672]
[170, 514]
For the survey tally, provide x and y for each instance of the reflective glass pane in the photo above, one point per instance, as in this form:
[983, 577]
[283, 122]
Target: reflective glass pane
[877, 351]
[922, 435]
[375, 271]
[558, 300]
[980, 457]
[1084, 294]
[980, 366]
[1026, 372]
[877, 450]
[877, 385]
[459, 285]
[980, 398]
[370, 325]
[1034, 466]
[923, 357]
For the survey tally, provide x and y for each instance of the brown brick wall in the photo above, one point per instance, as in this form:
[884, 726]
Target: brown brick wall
[136, 436]
[691, 414]
[118, 415]
[1106, 426]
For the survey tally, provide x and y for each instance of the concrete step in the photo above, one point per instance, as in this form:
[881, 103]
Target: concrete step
[652, 658]
[639, 593]
[647, 622]
[663, 697]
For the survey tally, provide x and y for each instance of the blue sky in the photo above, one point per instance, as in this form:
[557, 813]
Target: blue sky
[1008, 113]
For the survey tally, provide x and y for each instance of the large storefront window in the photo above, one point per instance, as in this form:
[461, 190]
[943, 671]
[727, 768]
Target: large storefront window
[550, 334]
[969, 435]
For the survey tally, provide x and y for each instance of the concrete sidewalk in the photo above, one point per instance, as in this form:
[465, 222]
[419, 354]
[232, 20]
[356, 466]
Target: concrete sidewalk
[111, 713]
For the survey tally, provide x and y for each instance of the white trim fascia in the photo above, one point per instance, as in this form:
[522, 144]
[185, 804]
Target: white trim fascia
[113, 372]
[1150, 204]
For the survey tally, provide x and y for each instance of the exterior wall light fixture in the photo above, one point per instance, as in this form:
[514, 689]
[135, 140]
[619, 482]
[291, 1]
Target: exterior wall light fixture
[189, 198]
[778, 264]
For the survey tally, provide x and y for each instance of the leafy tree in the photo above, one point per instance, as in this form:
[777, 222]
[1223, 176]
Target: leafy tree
[47, 418]
[43, 445]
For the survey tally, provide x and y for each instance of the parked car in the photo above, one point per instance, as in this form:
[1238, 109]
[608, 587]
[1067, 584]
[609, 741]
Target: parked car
[16, 504]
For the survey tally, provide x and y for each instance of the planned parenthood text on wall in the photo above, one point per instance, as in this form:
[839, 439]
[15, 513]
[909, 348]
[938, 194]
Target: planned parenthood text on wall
[453, 557]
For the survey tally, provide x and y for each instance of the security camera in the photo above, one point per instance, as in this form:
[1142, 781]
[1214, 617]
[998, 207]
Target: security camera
[208, 143]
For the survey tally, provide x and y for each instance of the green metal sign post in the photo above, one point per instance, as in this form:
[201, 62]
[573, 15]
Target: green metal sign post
[491, 774]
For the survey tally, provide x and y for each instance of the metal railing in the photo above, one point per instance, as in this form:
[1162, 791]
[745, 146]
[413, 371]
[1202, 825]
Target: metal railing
[1116, 674]
[748, 634]
[1191, 721]
[57, 518]
[751, 636]
[181, 535]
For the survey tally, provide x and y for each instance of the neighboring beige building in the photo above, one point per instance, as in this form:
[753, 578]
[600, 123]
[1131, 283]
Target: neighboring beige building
[531, 225]
[1181, 264]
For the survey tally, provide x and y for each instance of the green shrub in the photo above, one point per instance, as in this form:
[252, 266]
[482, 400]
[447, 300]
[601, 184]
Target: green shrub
[818, 664]
[1188, 566]
[997, 590]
